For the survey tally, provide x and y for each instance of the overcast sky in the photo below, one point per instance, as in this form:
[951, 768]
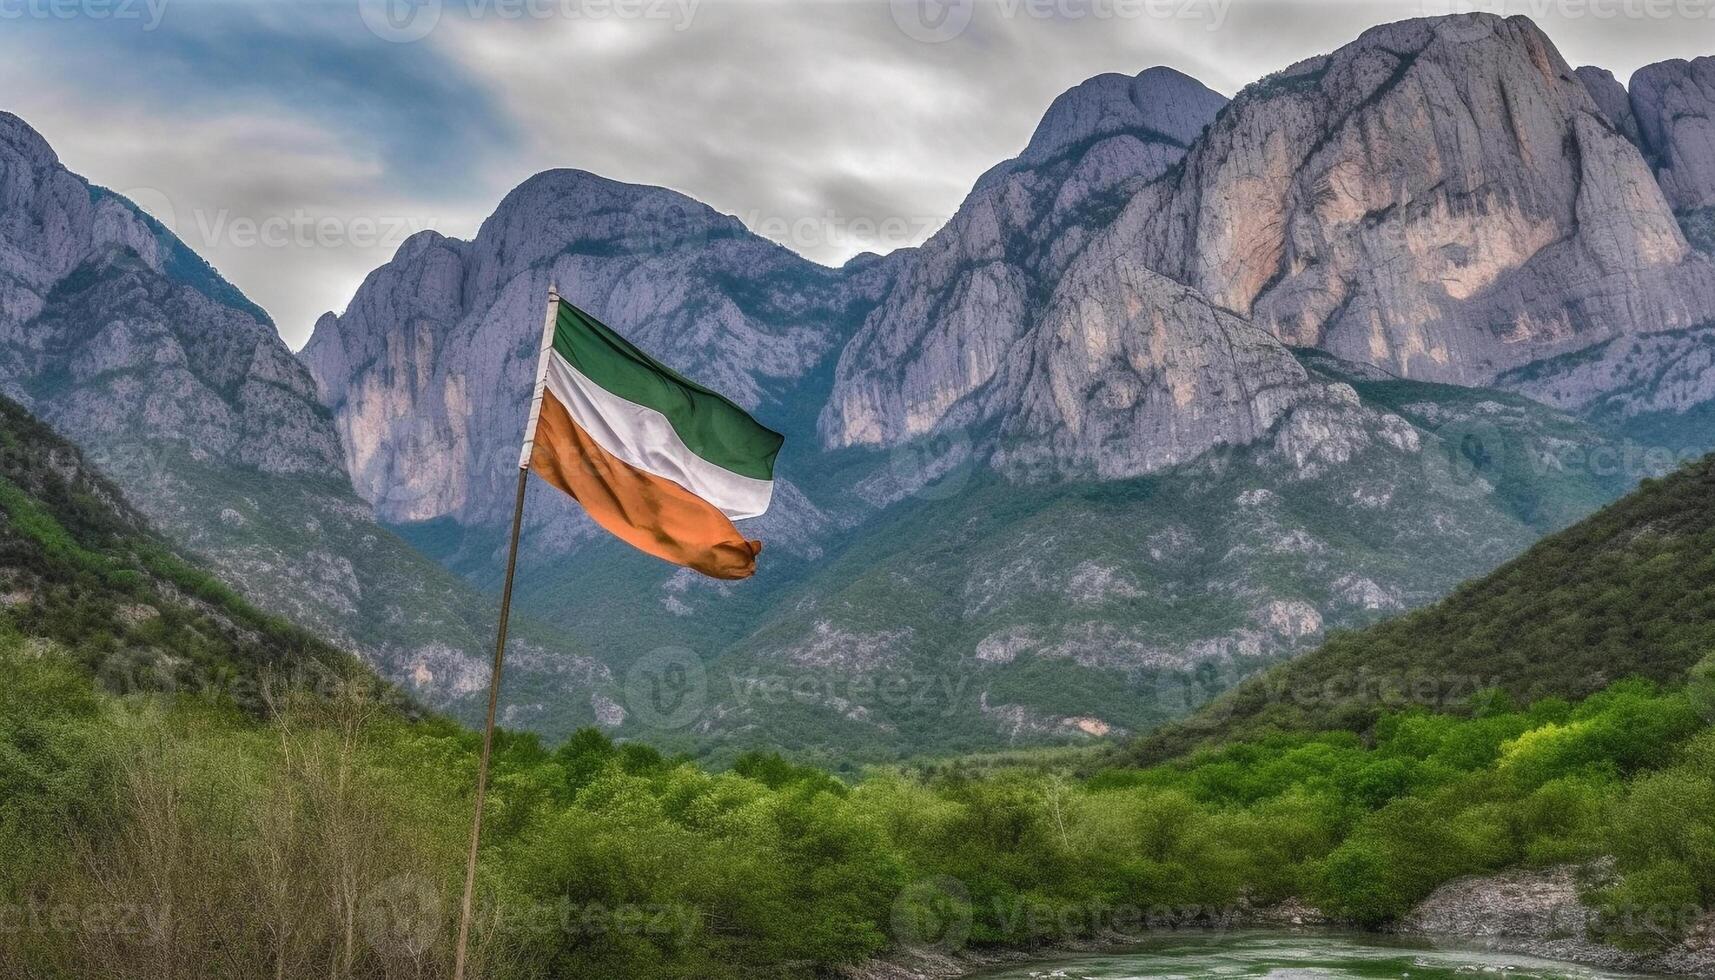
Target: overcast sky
[296, 144]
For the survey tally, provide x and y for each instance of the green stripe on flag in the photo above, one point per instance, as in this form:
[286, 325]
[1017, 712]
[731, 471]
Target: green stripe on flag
[711, 425]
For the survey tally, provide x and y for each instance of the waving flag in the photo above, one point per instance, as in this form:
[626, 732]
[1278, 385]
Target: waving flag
[655, 458]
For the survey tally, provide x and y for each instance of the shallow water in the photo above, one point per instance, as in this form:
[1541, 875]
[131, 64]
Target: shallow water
[1296, 957]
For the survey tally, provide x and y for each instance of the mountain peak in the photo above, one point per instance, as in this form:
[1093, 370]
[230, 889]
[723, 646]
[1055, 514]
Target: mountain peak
[1158, 103]
[20, 138]
[574, 210]
[1675, 106]
[1610, 97]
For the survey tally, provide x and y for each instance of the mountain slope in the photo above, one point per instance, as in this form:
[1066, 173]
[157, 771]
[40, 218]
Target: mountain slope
[947, 325]
[1628, 592]
[977, 606]
[81, 567]
[114, 332]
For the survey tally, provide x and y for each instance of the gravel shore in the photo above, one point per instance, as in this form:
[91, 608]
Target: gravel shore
[1540, 913]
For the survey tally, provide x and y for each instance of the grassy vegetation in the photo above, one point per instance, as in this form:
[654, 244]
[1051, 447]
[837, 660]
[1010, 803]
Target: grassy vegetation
[326, 839]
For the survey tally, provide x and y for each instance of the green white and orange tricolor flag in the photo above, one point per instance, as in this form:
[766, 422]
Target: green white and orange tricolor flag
[658, 460]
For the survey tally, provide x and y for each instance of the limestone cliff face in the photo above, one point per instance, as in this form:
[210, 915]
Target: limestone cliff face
[962, 301]
[1675, 106]
[1130, 373]
[429, 372]
[1443, 198]
[1612, 100]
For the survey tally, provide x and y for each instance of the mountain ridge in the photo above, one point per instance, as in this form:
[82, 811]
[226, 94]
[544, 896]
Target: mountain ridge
[182, 392]
[1036, 350]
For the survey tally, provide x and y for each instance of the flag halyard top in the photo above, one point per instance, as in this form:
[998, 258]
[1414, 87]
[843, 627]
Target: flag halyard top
[657, 459]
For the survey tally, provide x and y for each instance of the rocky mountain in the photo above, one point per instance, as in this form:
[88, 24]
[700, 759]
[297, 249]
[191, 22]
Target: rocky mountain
[1674, 103]
[1023, 323]
[82, 570]
[180, 389]
[428, 373]
[1057, 473]
[1657, 388]
[1443, 198]
[945, 327]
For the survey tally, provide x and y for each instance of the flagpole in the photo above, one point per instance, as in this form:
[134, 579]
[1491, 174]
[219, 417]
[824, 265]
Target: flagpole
[468, 908]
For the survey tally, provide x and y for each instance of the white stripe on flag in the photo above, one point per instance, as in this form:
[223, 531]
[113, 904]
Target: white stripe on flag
[644, 438]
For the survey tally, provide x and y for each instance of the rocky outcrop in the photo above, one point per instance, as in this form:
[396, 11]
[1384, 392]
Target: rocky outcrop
[1612, 101]
[1543, 913]
[1675, 106]
[1441, 197]
[962, 301]
[428, 373]
[1130, 373]
[1054, 335]
[113, 331]
[121, 353]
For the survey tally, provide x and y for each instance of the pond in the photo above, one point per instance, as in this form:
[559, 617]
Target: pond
[1296, 956]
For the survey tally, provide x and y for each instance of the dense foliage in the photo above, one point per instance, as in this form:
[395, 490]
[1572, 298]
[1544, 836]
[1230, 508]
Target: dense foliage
[153, 837]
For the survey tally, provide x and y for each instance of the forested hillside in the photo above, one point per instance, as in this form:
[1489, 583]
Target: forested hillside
[81, 568]
[1629, 592]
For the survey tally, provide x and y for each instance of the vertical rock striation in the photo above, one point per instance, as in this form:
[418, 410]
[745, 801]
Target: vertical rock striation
[1675, 106]
[1443, 198]
[960, 303]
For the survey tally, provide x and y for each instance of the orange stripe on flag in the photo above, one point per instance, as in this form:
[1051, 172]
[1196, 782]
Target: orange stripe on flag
[646, 511]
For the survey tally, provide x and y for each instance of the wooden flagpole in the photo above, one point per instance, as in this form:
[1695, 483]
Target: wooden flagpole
[467, 910]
